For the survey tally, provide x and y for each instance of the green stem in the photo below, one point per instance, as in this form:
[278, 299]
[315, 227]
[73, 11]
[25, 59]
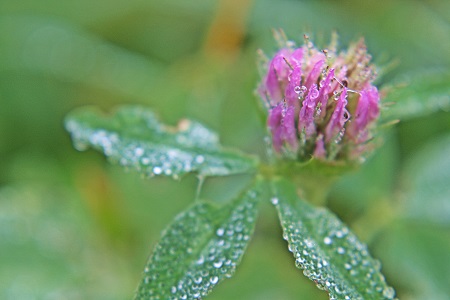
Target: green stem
[313, 179]
[313, 188]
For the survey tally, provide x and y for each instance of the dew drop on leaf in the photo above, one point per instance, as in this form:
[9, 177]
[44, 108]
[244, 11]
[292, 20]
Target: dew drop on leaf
[215, 239]
[326, 250]
[214, 279]
[135, 139]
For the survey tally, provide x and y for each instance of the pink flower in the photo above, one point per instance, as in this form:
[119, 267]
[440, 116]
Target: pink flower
[282, 126]
[320, 103]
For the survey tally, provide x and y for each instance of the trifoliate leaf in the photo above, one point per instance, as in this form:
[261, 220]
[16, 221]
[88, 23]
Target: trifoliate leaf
[135, 139]
[200, 248]
[326, 250]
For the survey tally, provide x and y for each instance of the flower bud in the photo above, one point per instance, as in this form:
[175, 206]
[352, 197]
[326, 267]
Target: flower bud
[320, 104]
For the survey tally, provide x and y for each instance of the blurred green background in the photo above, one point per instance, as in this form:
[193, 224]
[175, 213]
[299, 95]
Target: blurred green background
[74, 227]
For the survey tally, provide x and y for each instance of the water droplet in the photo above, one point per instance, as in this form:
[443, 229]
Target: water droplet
[302, 91]
[218, 264]
[377, 264]
[340, 250]
[314, 92]
[274, 200]
[220, 231]
[338, 139]
[389, 292]
[318, 110]
[80, 145]
[198, 280]
[321, 83]
[199, 159]
[297, 89]
[123, 161]
[214, 279]
[157, 170]
[309, 243]
[138, 151]
[201, 260]
[327, 240]
[292, 247]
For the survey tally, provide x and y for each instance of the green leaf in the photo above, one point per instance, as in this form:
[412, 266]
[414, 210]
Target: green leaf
[200, 248]
[325, 249]
[423, 94]
[427, 177]
[135, 139]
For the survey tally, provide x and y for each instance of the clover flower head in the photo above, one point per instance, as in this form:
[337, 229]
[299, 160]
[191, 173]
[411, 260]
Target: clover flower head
[320, 103]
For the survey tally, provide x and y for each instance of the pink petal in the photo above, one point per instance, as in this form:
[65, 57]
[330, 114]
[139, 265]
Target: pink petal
[319, 151]
[338, 118]
[306, 115]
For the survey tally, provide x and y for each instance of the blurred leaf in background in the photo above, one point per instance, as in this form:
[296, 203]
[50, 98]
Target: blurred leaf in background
[75, 227]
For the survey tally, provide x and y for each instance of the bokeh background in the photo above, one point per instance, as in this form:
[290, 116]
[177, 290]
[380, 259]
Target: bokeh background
[74, 227]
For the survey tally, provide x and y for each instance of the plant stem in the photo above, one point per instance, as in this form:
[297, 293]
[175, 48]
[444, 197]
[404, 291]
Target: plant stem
[313, 179]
